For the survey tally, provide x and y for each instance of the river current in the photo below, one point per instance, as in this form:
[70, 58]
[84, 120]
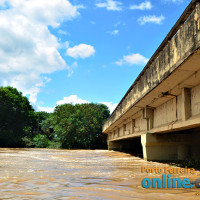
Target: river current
[80, 174]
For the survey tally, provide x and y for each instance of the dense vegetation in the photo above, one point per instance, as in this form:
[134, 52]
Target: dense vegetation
[69, 126]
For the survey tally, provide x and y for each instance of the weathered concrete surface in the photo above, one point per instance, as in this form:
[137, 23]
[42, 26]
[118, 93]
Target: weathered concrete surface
[166, 95]
[174, 146]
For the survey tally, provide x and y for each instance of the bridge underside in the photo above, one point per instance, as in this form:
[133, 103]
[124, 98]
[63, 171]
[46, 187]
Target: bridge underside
[179, 145]
[132, 145]
[160, 113]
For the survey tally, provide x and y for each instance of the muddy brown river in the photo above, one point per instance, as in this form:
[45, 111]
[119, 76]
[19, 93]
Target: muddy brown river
[80, 174]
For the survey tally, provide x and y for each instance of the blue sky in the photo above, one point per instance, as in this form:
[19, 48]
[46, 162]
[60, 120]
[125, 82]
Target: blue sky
[80, 51]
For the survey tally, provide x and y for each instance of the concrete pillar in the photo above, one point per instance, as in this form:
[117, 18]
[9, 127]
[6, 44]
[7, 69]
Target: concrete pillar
[110, 135]
[118, 132]
[144, 146]
[186, 103]
[132, 126]
[111, 145]
[150, 148]
[183, 152]
[195, 149]
[115, 145]
[166, 146]
[148, 114]
[124, 129]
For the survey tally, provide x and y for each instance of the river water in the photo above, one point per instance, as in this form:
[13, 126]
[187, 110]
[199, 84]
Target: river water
[80, 174]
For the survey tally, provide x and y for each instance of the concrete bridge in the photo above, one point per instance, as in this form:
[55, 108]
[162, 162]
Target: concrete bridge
[159, 116]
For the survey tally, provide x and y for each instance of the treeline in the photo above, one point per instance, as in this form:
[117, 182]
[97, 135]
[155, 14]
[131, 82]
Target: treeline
[69, 126]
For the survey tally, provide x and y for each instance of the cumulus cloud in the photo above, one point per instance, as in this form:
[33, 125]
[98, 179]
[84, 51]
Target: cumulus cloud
[82, 50]
[49, 13]
[110, 5]
[133, 59]
[45, 109]
[110, 105]
[151, 19]
[143, 6]
[27, 48]
[74, 99]
[115, 32]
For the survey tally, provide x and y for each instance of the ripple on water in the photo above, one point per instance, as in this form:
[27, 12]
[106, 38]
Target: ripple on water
[77, 174]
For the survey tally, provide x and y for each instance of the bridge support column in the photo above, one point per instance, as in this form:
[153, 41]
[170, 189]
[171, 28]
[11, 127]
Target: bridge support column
[148, 114]
[183, 152]
[115, 145]
[174, 146]
[195, 153]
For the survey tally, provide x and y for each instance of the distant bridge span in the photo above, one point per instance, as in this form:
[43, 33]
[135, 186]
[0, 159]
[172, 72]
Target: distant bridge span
[160, 113]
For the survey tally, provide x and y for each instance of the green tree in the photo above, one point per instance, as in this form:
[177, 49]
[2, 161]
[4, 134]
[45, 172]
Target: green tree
[80, 125]
[47, 125]
[40, 141]
[17, 117]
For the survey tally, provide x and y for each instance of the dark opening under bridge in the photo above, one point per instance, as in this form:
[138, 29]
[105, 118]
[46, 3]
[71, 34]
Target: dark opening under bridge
[160, 113]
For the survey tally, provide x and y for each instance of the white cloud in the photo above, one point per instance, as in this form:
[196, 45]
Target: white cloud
[173, 1]
[177, 1]
[45, 12]
[3, 3]
[64, 45]
[133, 59]
[80, 6]
[115, 32]
[143, 6]
[110, 105]
[27, 48]
[151, 19]
[61, 32]
[46, 109]
[72, 67]
[74, 99]
[81, 50]
[110, 5]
